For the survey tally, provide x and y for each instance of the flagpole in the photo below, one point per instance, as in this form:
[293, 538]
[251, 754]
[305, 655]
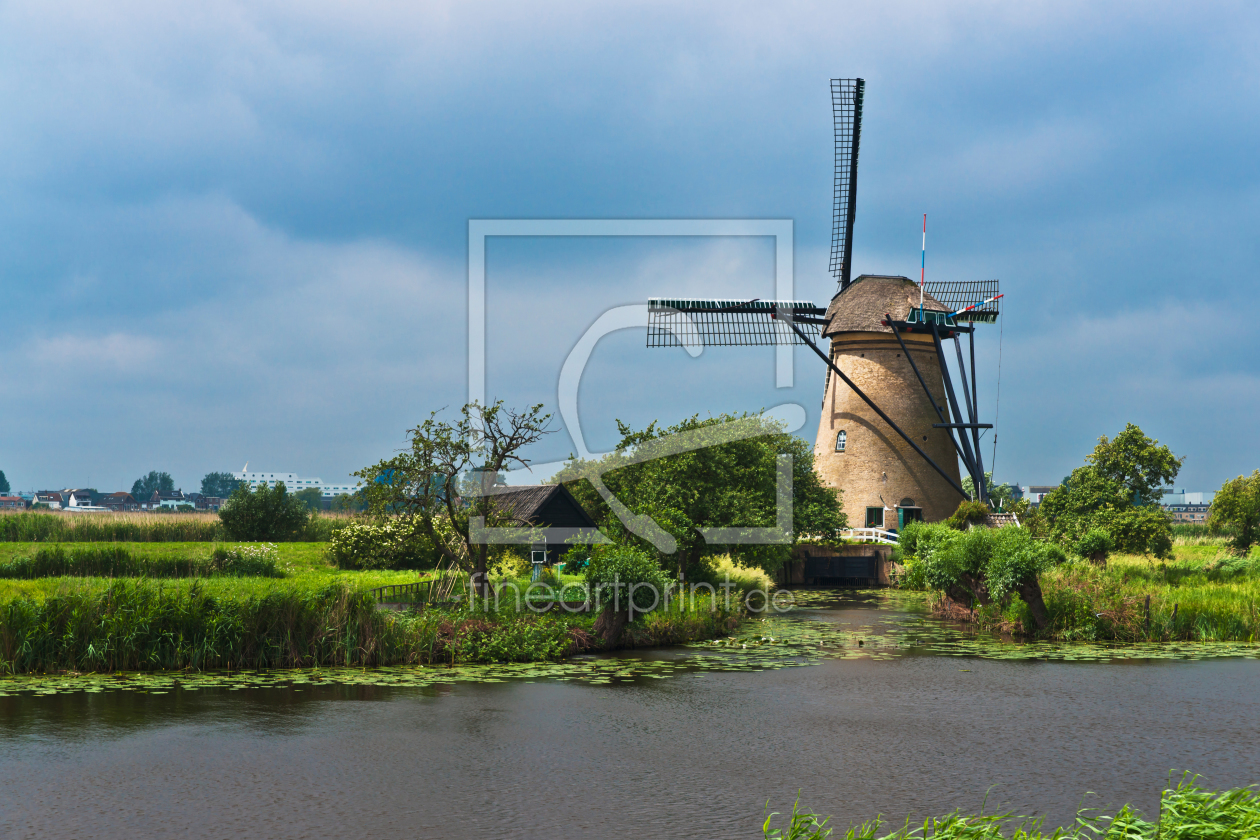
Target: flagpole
[923, 268]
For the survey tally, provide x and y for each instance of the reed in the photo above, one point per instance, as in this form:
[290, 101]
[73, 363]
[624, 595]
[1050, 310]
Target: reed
[1185, 811]
[93, 625]
[138, 527]
[117, 561]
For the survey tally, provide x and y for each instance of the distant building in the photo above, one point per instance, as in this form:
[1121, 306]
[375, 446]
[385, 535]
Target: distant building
[12, 503]
[82, 501]
[1189, 514]
[51, 498]
[119, 502]
[1034, 493]
[207, 502]
[1187, 508]
[293, 482]
[167, 500]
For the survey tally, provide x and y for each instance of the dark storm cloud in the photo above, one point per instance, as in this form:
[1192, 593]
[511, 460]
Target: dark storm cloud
[237, 231]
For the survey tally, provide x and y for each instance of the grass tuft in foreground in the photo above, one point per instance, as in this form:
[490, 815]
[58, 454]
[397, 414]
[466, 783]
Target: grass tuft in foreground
[1185, 812]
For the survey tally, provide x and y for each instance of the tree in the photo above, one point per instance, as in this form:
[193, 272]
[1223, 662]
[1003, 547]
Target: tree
[1000, 495]
[311, 497]
[716, 482]
[442, 483]
[219, 484]
[144, 487]
[268, 514]
[1118, 491]
[4, 484]
[1237, 504]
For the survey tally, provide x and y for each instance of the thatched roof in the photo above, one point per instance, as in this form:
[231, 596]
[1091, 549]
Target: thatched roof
[549, 505]
[862, 306]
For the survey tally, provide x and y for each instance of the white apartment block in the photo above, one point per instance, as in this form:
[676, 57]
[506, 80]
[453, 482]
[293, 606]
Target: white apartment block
[293, 482]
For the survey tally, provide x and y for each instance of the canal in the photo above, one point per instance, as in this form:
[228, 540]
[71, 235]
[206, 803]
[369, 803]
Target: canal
[861, 703]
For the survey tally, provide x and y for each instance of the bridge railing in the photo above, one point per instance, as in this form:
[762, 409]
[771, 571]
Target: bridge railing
[875, 535]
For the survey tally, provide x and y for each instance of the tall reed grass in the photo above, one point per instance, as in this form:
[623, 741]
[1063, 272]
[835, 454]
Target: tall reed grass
[117, 561]
[138, 527]
[1186, 812]
[153, 625]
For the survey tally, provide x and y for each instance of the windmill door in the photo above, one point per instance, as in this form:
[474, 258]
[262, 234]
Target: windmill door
[908, 514]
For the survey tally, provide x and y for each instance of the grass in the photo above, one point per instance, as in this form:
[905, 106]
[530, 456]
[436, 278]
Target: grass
[315, 615]
[137, 527]
[1203, 594]
[314, 620]
[114, 560]
[1186, 812]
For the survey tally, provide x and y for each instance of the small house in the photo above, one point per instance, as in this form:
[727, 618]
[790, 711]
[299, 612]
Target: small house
[545, 506]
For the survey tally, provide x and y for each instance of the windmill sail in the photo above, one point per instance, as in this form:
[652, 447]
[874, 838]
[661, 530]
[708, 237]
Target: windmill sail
[846, 112]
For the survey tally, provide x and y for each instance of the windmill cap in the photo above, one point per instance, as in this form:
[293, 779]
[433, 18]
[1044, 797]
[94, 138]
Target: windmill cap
[861, 306]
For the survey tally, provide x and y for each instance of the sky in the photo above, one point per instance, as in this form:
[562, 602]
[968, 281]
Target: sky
[238, 232]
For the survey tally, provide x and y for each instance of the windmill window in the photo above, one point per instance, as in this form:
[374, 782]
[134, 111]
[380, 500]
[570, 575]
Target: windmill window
[840, 440]
[874, 517]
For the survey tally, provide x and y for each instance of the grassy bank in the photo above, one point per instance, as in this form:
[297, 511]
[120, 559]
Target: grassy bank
[1203, 594]
[92, 625]
[1185, 811]
[136, 527]
[115, 560]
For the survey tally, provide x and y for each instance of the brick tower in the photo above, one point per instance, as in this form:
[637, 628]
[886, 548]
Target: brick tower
[884, 481]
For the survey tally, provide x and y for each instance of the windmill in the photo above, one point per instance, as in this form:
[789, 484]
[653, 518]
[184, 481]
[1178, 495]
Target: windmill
[894, 426]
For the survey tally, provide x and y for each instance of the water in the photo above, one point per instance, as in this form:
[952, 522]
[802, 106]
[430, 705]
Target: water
[696, 754]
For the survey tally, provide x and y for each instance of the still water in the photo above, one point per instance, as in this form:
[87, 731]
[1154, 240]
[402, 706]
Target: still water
[681, 751]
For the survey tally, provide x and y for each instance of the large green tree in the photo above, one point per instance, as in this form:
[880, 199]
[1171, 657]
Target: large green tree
[1118, 490]
[1000, 495]
[219, 484]
[723, 477]
[441, 483]
[4, 484]
[1237, 505]
[143, 487]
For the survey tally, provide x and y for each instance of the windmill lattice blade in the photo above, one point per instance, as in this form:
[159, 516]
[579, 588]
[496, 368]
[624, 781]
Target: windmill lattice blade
[959, 294]
[674, 322]
[846, 112]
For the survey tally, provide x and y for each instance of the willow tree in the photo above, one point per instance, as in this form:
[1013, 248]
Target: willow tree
[442, 483]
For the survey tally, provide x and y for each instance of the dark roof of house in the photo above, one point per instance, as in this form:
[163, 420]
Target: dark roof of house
[862, 306]
[117, 494]
[546, 504]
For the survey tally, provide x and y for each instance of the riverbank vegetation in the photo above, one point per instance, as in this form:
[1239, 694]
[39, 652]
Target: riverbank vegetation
[1186, 811]
[94, 625]
[141, 527]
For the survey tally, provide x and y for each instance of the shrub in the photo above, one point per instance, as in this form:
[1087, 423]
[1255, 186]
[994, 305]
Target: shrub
[969, 513]
[613, 569]
[723, 567]
[509, 566]
[268, 514]
[1096, 544]
[388, 544]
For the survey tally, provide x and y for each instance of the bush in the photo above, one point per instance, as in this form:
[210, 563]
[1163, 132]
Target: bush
[612, 569]
[388, 544]
[723, 567]
[509, 566]
[268, 514]
[969, 513]
[1096, 544]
